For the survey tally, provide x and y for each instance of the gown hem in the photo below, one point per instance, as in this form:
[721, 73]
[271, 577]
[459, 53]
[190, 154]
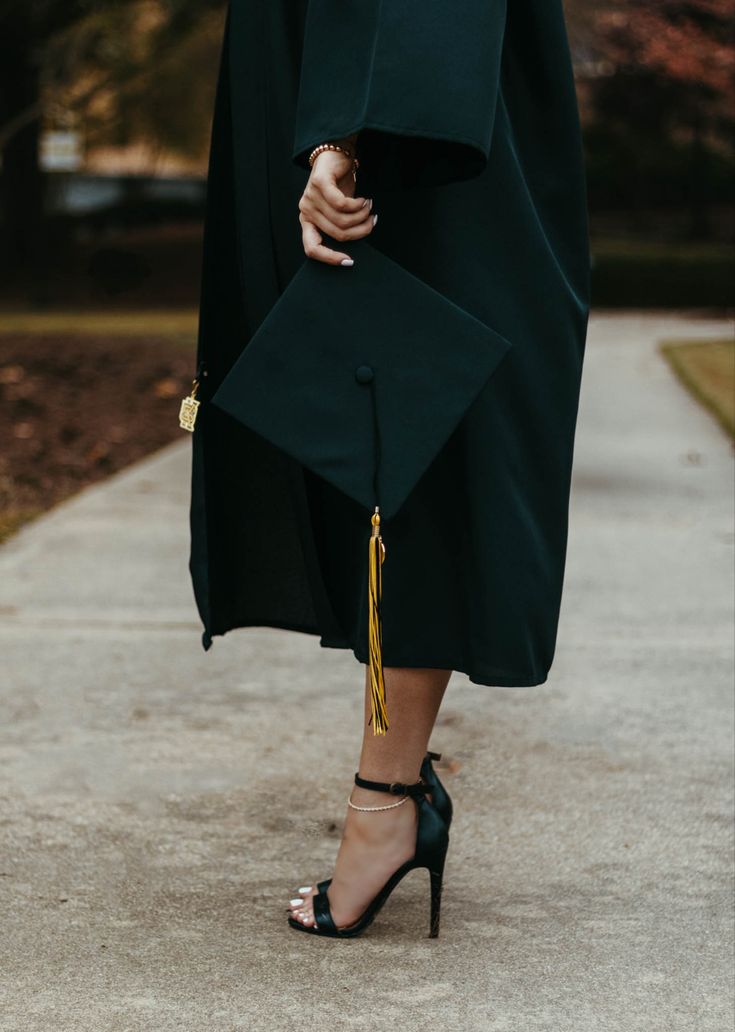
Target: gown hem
[478, 674]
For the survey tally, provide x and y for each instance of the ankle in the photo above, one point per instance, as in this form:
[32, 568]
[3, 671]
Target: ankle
[392, 775]
[386, 829]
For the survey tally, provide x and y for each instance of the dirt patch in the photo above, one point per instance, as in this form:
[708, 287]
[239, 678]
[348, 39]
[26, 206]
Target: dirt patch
[74, 409]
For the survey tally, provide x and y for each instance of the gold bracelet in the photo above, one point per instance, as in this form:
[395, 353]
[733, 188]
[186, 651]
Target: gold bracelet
[334, 147]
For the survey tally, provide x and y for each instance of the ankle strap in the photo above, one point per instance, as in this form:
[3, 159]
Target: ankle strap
[394, 788]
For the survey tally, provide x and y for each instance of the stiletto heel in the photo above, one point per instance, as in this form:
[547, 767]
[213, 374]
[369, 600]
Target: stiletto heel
[432, 842]
[436, 878]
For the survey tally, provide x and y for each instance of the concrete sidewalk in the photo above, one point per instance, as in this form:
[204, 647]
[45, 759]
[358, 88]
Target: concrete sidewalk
[159, 804]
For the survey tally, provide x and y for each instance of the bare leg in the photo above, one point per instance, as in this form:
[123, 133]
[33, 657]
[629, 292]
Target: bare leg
[414, 697]
[374, 845]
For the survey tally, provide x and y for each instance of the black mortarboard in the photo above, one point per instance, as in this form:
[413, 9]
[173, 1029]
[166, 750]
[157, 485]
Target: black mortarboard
[361, 374]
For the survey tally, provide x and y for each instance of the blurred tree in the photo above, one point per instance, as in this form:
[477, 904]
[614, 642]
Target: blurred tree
[664, 96]
[686, 41]
[22, 26]
[121, 70]
[137, 70]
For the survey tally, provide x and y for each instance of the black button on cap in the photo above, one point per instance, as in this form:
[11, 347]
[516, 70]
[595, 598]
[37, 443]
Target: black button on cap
[364, 374]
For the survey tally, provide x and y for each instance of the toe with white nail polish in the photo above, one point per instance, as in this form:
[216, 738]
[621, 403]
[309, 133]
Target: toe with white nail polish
[296, 902]
[305, 888]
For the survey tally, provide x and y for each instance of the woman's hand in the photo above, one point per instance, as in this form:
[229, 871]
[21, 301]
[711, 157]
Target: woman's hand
[329, 205]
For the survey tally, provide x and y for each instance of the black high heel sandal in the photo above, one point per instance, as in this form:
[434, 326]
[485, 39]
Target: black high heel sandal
[432, 842]
[440, 800]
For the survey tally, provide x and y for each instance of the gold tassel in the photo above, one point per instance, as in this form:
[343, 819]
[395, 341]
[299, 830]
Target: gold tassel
[376, 556]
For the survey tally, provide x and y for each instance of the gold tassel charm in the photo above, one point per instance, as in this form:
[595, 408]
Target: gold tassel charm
[376, 556]
[189, 409]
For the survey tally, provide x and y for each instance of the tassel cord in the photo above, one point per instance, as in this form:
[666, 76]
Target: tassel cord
[376, 555]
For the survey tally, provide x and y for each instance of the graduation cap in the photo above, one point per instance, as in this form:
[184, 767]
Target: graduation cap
[361, 374]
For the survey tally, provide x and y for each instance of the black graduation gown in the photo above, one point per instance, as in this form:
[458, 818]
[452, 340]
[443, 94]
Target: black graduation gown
[470, 147]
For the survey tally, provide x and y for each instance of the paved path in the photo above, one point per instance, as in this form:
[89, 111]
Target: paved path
[150, 830]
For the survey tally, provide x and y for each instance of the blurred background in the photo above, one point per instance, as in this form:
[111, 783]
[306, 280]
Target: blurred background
[105, 112]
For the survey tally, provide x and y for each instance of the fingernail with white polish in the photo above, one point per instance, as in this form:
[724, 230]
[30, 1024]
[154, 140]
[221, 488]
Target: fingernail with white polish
[375, 220]
[347, 261]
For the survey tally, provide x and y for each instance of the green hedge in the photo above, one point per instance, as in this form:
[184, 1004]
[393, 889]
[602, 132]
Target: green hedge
[637, 275]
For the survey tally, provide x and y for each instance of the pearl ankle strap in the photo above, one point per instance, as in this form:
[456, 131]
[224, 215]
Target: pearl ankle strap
[375, 809]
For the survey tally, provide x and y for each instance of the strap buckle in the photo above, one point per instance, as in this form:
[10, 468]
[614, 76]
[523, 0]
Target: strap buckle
[419, 789]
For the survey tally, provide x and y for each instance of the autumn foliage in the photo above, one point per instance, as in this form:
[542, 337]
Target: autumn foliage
[687, 41]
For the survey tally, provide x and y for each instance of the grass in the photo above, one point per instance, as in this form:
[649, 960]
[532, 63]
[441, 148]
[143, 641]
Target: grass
[13, 519]
[707, 369]
[173, 322]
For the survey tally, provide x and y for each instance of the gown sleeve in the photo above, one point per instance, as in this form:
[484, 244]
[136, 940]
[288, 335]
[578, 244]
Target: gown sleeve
[418, 79]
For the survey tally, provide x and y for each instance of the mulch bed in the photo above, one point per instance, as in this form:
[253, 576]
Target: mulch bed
[74, 409]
